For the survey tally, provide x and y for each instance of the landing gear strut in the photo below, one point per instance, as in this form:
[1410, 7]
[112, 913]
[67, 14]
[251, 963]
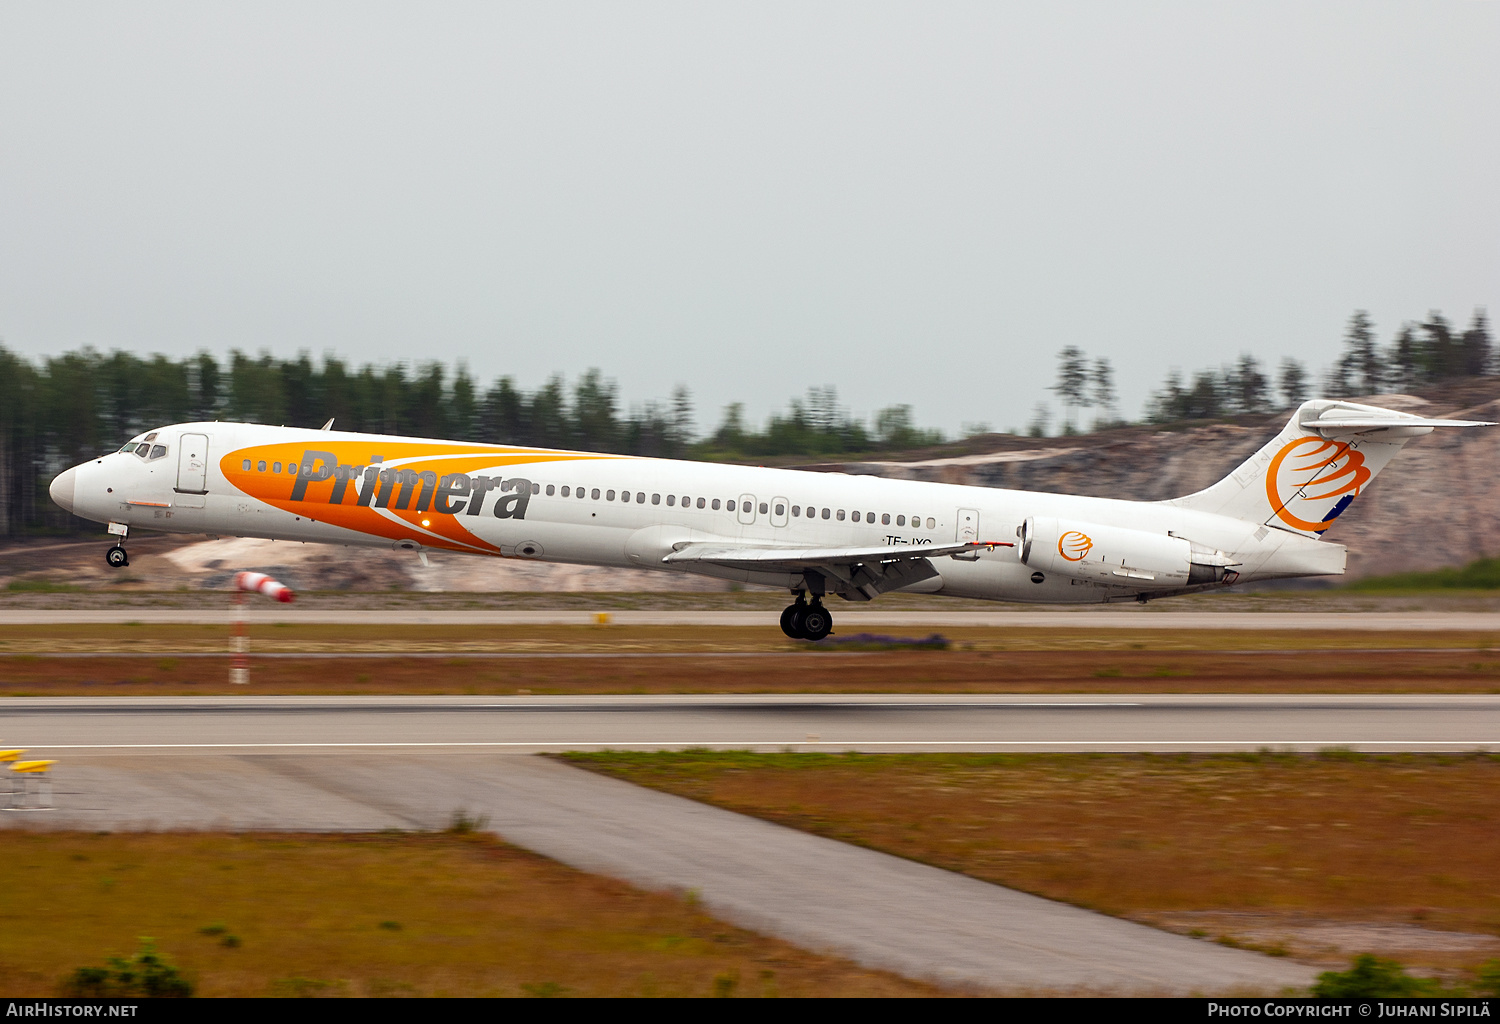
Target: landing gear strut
[803, 621]
[116, 557]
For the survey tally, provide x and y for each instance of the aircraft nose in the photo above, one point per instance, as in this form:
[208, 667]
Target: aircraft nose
[62, 488]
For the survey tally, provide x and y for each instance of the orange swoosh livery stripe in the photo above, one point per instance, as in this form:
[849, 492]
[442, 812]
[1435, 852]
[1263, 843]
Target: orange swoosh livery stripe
[441, 530]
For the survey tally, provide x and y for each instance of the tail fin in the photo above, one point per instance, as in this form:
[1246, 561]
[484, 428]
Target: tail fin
[1322, 460]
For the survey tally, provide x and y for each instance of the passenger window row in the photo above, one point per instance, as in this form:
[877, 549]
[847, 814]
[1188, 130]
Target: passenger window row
[734, 505]
[868, 517]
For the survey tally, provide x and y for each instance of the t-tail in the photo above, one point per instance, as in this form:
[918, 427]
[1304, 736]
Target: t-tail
[1310, 473]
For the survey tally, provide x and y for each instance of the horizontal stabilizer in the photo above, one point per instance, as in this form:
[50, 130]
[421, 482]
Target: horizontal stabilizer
[1360, 424]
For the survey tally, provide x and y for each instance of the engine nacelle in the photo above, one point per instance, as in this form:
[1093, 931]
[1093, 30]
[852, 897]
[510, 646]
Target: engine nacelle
[1107, 554]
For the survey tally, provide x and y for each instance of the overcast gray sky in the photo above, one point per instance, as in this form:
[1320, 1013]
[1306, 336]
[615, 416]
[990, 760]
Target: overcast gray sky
[914, 202]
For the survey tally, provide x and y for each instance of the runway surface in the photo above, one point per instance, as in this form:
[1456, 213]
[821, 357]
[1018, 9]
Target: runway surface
[880, 910]
[847, 621]
[1069, 722]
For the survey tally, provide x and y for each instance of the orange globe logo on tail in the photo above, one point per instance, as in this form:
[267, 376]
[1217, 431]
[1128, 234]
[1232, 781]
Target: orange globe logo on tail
[1074, 545]
[1309, 471]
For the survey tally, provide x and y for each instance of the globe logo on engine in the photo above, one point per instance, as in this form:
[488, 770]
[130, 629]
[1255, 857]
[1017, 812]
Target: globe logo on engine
[1074, 545]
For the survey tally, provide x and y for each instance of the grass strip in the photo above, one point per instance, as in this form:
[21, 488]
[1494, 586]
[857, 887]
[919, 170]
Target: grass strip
[1080, 670]
[376, 915]
[1319, 856]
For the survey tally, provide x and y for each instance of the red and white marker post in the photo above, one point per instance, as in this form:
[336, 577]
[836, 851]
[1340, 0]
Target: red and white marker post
[239, 643]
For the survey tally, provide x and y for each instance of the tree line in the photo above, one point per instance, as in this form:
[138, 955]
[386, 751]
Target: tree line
[1421, 352]
[62, 410]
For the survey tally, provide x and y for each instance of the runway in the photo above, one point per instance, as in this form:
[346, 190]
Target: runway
[371, 763]
[845, 620]
[1067, 722]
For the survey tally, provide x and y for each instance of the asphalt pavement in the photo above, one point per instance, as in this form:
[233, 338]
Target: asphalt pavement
[1064, 722]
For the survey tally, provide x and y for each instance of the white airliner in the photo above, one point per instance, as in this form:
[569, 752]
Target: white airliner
[815, 534]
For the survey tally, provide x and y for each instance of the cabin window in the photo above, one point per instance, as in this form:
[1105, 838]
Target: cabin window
[625, 496]
[672, 499]
[781, 510]
[763, 508]
[595, 493]
[276, 467]
[291, 467]
[841, 515]
[827, 513]
[931, 523]
[796, 510]
[716, 504]
[916, 521]
[261, 466]
[700, 502]
[610, 496]
[885, 519]
[536, 488]
[580, 493]
[900, 520]
[855, 516]
[730, 506]
[551, 490]
[567, 492]
[246, 465]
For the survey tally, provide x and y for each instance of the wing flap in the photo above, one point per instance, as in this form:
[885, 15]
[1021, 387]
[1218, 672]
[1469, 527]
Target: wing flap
[754, 557]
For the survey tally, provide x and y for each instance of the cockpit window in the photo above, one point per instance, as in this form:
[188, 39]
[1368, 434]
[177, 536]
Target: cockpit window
[143, 449]
[157, 450]
[129, 447]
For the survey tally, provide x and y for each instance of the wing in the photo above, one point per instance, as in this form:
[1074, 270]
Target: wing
[859, 573]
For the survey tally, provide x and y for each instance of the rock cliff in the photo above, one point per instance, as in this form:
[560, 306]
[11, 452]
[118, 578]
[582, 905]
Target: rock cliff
[1437, 504]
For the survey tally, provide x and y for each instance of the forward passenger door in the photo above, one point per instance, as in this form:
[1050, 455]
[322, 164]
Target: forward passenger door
[192, 470]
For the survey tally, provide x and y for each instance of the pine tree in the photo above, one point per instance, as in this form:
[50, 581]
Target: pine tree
[1405, 367]
[1293, 383]
[1365, 371]
[1103, 394]
[1072, 382]
[1477, 346]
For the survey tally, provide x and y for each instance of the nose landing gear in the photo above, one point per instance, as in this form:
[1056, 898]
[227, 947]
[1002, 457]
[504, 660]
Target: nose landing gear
[803, 621]
[116, 557]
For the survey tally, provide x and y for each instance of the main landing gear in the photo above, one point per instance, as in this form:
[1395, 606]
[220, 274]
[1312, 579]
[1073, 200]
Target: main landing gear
[803, 621]
[116, 557]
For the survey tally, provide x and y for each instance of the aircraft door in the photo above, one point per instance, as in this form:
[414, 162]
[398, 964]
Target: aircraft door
[968, 525]
[747, 509]
[968, 530]
[192, 469]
